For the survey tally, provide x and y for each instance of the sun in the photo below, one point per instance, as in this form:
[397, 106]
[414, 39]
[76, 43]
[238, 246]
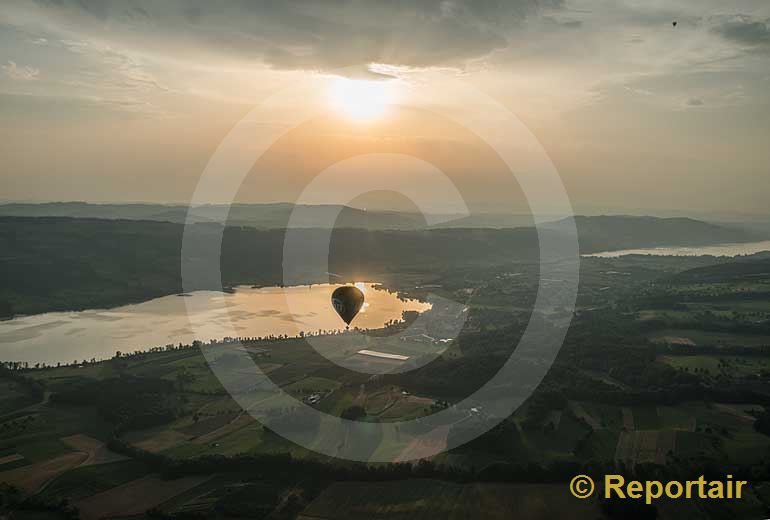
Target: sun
[361, 99]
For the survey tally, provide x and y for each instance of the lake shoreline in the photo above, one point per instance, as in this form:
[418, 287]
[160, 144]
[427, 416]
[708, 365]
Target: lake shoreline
[723, 250]
[128, 301]
[241, 312]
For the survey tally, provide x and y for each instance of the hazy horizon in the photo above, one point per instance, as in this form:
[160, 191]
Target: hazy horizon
[127, 101]
[637, 212]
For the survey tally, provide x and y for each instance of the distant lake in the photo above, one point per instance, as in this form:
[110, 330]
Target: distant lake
[748, 248]
[70, 336]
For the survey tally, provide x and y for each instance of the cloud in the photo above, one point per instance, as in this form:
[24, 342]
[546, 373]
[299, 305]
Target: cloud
[745, 30]
[18, 73]
[717, 99]
[639, 91]
[293, 34]
[106, 67]
[573, 24]
[134, 48]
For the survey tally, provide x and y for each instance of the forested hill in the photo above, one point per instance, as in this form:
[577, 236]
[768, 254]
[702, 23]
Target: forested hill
[68, 263]
[62, 263]
[265, 216]
[607, 233]
[597, 232]
[754, 267]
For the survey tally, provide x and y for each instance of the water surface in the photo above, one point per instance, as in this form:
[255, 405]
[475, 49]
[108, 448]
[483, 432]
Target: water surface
[748, 248]
[249, 312]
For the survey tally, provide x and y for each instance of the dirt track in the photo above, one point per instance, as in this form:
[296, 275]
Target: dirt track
[10, 458]
[95, 449]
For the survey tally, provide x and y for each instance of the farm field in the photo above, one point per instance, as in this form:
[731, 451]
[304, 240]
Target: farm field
[714, 365]
[695, 337]
[155, 440]
[31, 478]
[97, 451]
[55, 458]
[562, 439]
[639, 447]
[615, 401]
[135, 497]
[428, 499]
[85, 481]
[603, 415]
[13, 397]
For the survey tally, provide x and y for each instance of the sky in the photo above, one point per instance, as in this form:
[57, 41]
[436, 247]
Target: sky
[127, 100]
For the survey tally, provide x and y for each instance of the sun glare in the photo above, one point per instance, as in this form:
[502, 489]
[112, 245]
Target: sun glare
[362, 287]
[361, 99]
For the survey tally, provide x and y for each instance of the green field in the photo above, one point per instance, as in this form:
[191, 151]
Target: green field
[675, 418]
[600, 445]
[244, 440]
[715, 365]
[605, 415]
[709, 338]
[646, 418]
[559, 442]
[311, 385]
[89, 480]
[13, 397]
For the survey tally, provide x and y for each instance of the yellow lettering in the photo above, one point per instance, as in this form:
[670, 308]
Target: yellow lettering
[614, 482]
[669, 489]
[716, 489]
[653, 490]
[649, 494]
[634, 489]
[701, 487]
[739, 488]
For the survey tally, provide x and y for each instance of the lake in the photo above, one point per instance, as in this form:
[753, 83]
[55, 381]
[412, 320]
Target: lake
[69, 336]
[748, 248]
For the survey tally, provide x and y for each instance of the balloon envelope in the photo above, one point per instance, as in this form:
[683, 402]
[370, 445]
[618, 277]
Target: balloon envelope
[347, 301]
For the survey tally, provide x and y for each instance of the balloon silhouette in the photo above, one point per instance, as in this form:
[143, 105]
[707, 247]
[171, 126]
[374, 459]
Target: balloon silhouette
[347, 301]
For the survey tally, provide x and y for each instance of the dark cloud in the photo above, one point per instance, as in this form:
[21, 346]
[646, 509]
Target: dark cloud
[694, 102]
[295, 34]
[573, 24]
[745, 30]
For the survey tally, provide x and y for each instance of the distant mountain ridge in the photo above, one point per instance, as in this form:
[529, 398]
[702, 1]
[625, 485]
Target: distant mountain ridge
[265, 216]
[596, 233]
[617, 232]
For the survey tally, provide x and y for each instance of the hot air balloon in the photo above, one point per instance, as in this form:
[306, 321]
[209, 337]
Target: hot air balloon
[347, 301]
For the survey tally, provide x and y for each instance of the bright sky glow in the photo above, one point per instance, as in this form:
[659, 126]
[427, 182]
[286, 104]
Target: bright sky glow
[638, 115]
[361, 99]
